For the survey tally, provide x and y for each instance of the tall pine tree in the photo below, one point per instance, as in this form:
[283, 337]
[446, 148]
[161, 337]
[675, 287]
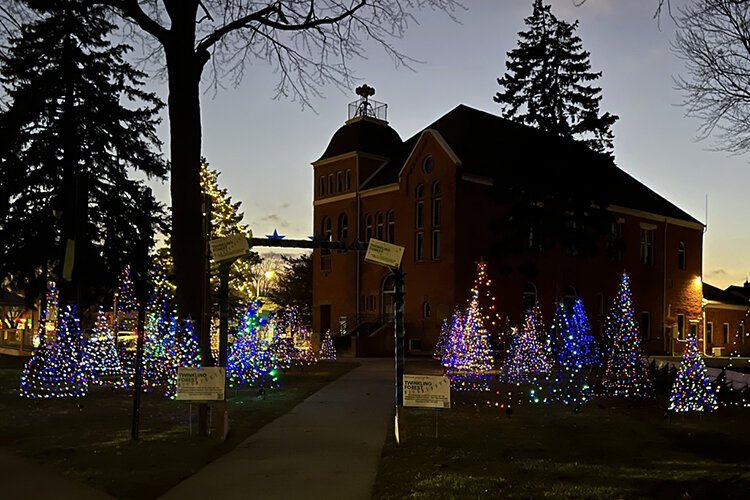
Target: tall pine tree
[547, 83]
[76, 121]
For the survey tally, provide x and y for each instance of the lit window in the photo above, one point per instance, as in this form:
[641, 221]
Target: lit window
[326, 228]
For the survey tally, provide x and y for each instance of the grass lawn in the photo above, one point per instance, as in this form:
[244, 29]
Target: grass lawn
[91, 443]
[612, 449]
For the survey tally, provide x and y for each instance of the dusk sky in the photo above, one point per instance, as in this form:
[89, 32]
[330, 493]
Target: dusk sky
[264, 147]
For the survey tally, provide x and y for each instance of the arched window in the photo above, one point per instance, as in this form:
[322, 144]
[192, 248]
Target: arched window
[681, 257]
[339, 182]
[435, 238]
[391, 221]
[529, 297]
[322, 186]
[343, 227]
[330, 183]
[428, 165]
[379, 226]
[368, 227]
[426, 309]
[326, 230]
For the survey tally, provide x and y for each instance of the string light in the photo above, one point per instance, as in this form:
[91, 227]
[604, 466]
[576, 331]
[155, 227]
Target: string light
[327, 349]
[527, 355]
[102, 361]
[692, 389]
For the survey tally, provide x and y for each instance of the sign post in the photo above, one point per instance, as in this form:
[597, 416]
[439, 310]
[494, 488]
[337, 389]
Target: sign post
[390, 255]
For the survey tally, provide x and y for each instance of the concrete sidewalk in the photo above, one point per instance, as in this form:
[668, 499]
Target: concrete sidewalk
[327, 447]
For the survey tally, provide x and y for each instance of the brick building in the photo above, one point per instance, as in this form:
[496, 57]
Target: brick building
[726, 320]
[435, 194]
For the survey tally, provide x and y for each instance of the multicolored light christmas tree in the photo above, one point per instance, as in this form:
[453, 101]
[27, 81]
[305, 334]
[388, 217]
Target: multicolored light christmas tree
[468, 356]
[565, 382]
[57, 369]
[692, 390]
[125, 302]
[528, 356]
[48, 315]
[585, 346]
[626, 373]
[444, 337]
[102, 361]
[327, 349]
[251, 359]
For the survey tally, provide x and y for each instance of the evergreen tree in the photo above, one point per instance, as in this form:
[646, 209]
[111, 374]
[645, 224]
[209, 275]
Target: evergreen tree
[294, 285]
[547, 82]
[587, 351]
[58, 369]
[101, 356]
[327, 349]
[527, 357]
[626, 372]
[692, 390]
[75, 123]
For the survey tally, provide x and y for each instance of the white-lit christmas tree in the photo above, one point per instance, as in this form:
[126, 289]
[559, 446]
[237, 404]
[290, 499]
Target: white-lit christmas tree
[527, 356]
[692, 390]
[626, 373]
[57, 369]
[102, 360]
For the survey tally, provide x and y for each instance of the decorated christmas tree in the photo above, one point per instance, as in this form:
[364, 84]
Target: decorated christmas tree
[528, 356]
[444, 336]
[587, 351]
[160, 335]
[48, 315]
[57, 369]
[565, 382]
[692, 390]
[468, 356]
[125, 303]
[327, 349]
[102, 359]
[252, 359]
[626, 373]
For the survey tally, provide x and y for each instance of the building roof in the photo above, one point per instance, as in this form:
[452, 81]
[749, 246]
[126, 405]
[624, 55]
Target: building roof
[741, 291]
[364, 135]
[716, 294]
[505, 151]
[11, 299]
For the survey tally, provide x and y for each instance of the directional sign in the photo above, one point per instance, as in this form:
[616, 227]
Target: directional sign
[384, 253]
[200, 384]
[230, 247]
[427, 391]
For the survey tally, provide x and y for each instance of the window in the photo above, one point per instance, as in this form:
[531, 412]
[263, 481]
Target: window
[436, 206]
[415, 344]
[694, 329]
[339, 182]
[710, 333]
[648, 237]
[725, 333]
[428, 165]
[617, 242]
[322, 186]
[426, 309]
[348, 180]
[680, 327]
[368, 227]
[435, 244]
[419, 247]
[343, 227]
[391, 221]
[379, 226]
[419, 207]
[569, 299]
[326, 230]
[330, 183]
[646, 325]
[529, 296]
[681, 257]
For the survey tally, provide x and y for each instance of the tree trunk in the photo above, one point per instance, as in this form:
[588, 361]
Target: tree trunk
[188, 239]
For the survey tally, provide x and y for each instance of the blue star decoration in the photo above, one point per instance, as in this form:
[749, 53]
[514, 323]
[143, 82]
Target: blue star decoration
[275, 236]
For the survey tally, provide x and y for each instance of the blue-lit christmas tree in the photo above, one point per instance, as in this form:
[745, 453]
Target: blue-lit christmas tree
[57, 369]
[586, 348]
[252, 360]
[527, 356]
[626, 372]
[327, 349]
[468, 355]
[102, 359]
[566, 381]
[692, 390]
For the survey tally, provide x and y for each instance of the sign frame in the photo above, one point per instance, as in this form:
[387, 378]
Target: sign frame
[206, 384]
[384, 253]
[427, 391]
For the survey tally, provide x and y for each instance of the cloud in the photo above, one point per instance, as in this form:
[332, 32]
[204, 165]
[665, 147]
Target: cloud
[284, 206]
[717, 273]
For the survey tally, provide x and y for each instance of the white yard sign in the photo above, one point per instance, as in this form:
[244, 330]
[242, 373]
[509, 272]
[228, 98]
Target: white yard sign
[200, 384]
[384, 253]
[229, 247]
[427, 391]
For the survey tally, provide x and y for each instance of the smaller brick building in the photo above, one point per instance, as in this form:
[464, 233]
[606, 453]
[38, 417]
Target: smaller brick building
[726, 321]
[436, 194]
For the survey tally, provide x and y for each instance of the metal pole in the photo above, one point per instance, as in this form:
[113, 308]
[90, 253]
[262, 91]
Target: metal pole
[138, 373]
[399, 333]
[223, 311]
